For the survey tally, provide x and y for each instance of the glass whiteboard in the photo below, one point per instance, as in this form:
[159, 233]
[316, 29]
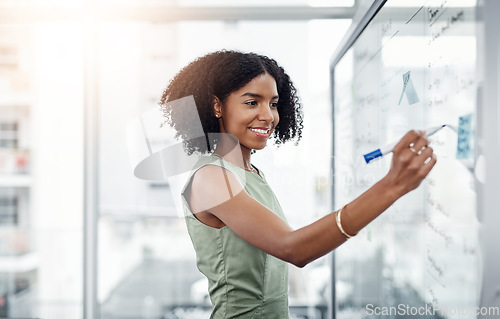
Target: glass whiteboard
[411, 67]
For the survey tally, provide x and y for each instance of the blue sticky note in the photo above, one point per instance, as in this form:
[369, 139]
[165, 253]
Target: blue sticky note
[465, 143]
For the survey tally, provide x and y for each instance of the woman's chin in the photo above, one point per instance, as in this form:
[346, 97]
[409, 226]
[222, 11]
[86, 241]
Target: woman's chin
[255, 147]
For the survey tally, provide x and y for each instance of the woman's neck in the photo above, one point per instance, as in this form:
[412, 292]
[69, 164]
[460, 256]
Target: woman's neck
[236, 154]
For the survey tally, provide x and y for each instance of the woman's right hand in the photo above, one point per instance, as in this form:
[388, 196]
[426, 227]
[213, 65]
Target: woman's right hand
[412, 160]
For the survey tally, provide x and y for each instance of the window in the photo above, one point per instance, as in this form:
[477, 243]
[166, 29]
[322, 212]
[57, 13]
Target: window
[145, 260]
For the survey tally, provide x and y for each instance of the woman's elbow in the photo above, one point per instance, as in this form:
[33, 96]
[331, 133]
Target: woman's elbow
[297, 261]
[294, 257]
[300, 263]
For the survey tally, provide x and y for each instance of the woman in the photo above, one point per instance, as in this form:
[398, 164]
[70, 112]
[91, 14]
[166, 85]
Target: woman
[241, 238]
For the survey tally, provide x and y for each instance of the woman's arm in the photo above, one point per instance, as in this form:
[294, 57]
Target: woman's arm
[218, 192]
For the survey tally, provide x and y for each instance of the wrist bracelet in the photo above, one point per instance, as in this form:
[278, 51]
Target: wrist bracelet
[339, 223]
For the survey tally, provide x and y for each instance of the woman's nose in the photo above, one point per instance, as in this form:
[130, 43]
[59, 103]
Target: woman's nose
[266, 114]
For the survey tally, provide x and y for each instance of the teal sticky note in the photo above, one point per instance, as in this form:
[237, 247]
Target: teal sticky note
[408, 90]
[406, 78]
[411, 93]
[465, 143]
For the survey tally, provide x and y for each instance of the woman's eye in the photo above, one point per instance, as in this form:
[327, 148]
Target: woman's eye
[251, 103]
[274, 104]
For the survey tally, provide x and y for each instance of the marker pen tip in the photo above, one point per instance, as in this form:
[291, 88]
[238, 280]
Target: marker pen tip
[452, 127]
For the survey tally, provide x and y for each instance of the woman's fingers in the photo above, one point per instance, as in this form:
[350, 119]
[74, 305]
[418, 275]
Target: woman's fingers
[428, 165]
[419, 144]
[413, 159]
[406, 140]
[424, 154]
[414, 143]
[424, 159]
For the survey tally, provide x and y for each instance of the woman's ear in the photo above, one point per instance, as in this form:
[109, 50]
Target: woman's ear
[217, 107]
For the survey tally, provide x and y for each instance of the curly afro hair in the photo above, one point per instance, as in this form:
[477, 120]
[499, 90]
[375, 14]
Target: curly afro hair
[219, 74]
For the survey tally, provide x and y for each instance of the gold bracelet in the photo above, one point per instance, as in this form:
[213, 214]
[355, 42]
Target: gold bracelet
[339, 223]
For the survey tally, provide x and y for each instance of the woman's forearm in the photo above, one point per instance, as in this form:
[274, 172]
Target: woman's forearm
[319, 238]
[412, 160]
[368, 206]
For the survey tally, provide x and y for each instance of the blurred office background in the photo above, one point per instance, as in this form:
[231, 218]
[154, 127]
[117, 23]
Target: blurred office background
[80, 236]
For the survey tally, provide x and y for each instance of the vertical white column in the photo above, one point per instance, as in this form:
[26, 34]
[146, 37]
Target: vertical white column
[489, 147]
[90, 306]
[56, 196]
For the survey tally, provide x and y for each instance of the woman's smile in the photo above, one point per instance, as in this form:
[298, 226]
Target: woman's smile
[261, 132]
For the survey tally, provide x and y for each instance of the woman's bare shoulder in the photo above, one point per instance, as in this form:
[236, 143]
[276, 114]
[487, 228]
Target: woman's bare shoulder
[212, 185]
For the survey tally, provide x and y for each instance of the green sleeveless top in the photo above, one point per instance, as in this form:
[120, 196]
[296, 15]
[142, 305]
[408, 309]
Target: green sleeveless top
[244, 281]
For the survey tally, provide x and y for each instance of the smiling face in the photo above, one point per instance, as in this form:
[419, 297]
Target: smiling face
[250, 113]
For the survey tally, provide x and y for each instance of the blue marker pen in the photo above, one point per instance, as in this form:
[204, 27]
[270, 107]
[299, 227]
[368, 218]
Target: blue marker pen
[388, 148]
